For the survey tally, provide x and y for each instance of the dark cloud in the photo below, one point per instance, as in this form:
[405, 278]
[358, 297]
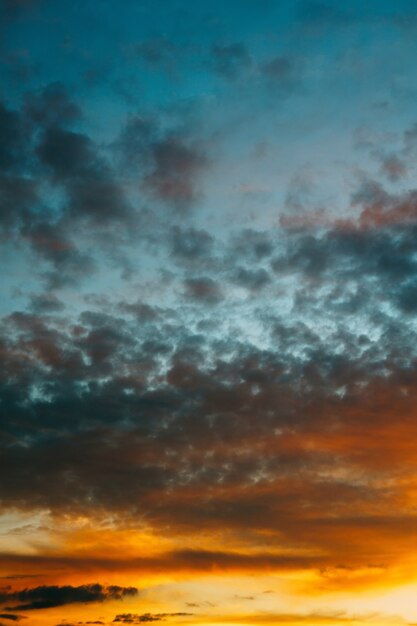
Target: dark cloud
[406, 297]
[203, 289]
[135, 618]
[379, 247]
[56, 186]
[51, 106]
[11, 616]
[51, 596]
[252, 279]
[176, 166]
[100, 199]
[253, 245]
[191, 245]
[46, 303]
[67, 153]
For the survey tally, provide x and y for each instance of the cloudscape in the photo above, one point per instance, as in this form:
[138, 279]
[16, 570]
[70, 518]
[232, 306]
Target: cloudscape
[208, 230]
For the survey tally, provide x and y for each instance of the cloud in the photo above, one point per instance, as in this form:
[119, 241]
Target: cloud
[51, 107]
[167, 163]
[67, 153]
[393, 167]
[184, 561]
[203, 289]
[191, 245]
[46, 303]
[252, 279]
[45, 597]
[135, 618]
[57, 189]
[253, 245]
[91, 190]
[177, 164]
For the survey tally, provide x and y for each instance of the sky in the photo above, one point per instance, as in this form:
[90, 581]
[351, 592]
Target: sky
[208, 243]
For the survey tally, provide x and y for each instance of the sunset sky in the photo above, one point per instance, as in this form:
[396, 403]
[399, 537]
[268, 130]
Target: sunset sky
[208, 229]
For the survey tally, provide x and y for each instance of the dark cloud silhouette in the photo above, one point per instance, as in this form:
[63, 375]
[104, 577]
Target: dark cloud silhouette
[73, 160]
[135, 618]
[45, 597]
[67, 153]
